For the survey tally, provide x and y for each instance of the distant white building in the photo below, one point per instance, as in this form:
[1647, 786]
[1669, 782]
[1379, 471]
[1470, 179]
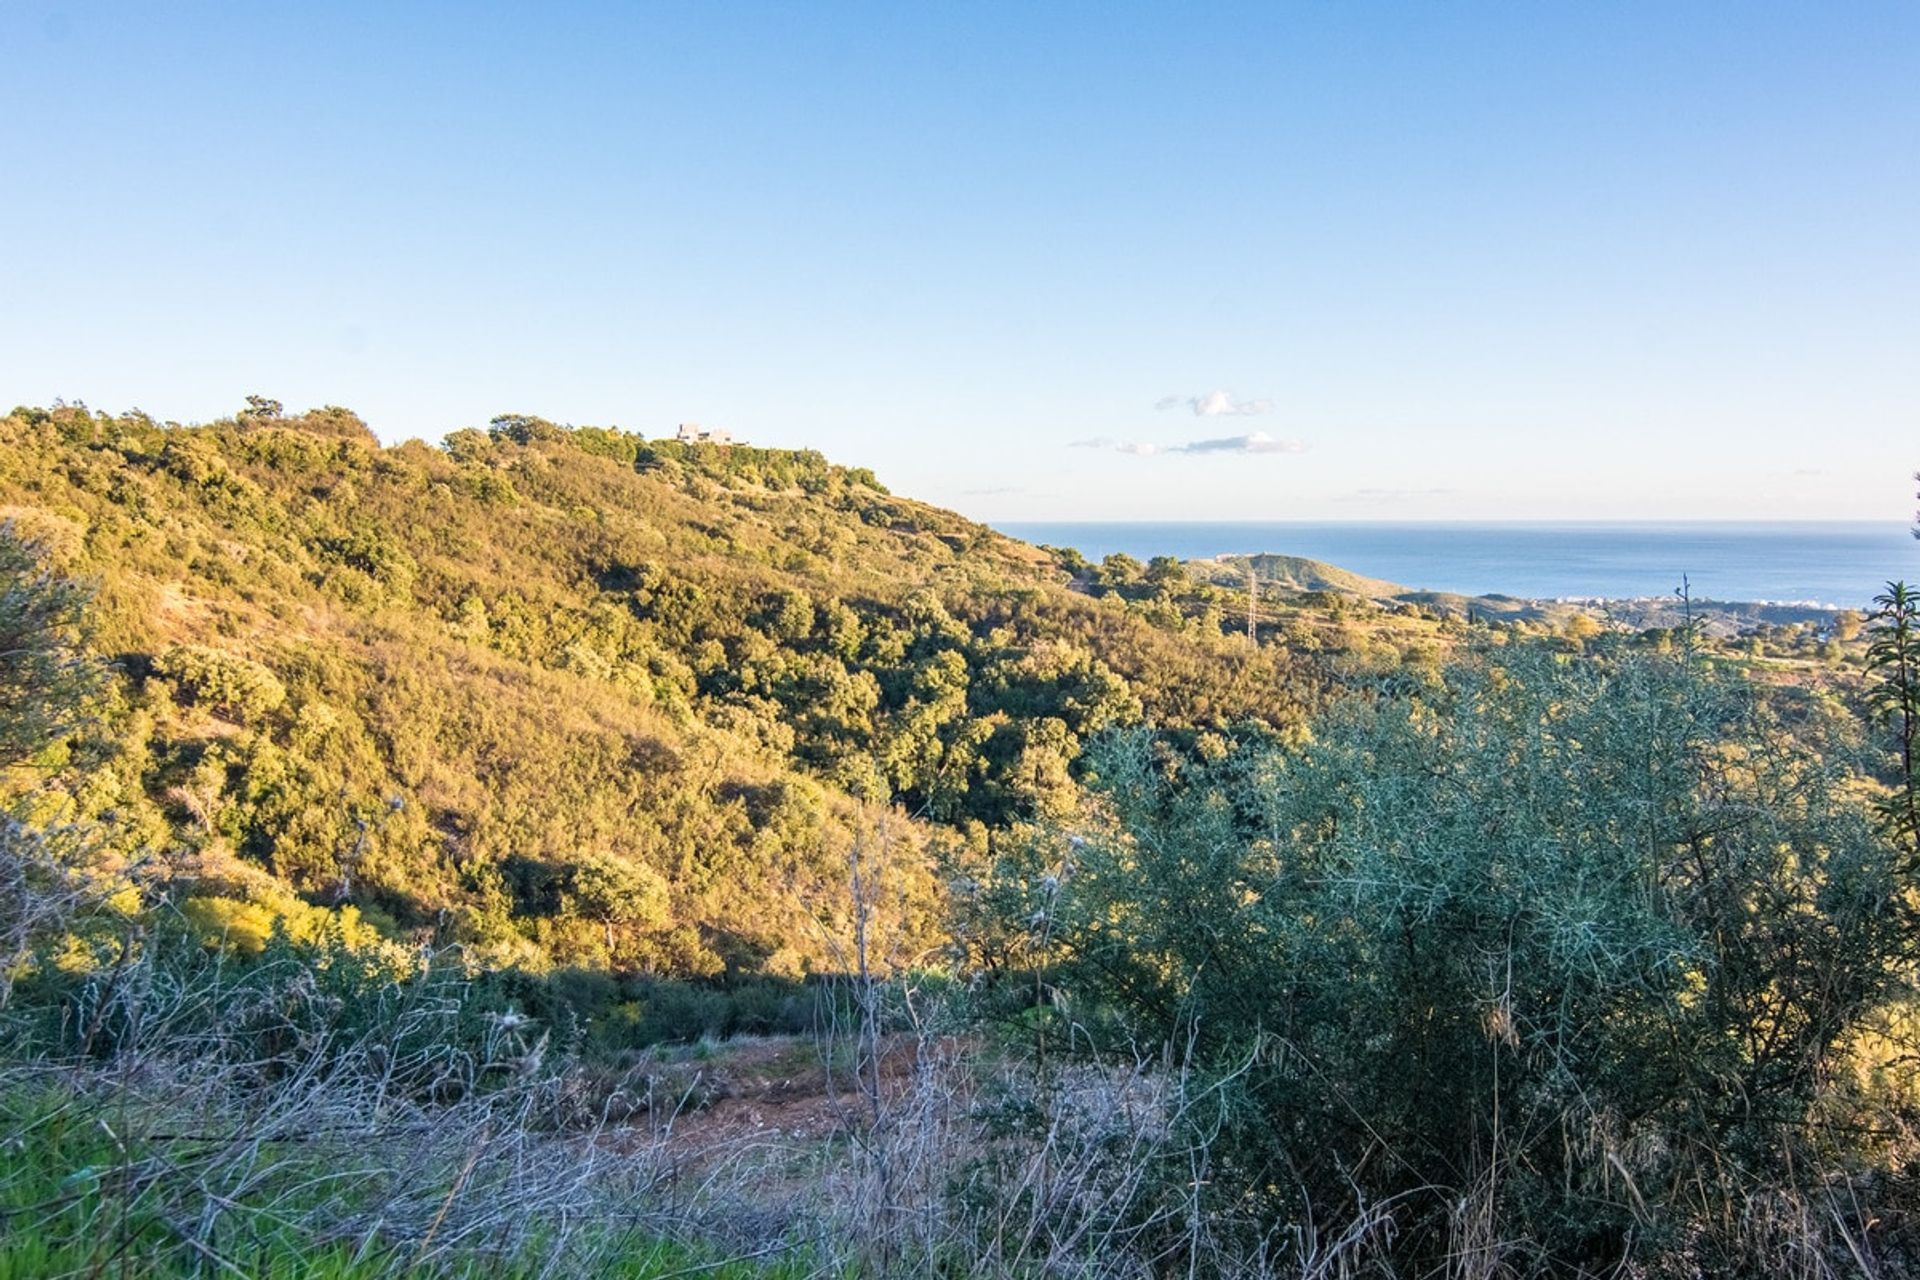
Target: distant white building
[694, 433]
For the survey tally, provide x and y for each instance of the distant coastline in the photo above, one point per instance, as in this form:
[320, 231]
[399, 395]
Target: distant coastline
[1824, 564]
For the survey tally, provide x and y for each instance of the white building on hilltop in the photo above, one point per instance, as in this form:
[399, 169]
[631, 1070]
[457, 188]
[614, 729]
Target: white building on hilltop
[694, 433]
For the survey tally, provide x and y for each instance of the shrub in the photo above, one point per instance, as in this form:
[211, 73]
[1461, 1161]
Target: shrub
[1564, 951]
[45, 675]
[230, 686]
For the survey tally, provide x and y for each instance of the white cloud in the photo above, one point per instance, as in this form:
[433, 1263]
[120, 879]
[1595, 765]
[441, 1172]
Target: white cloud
[1216, 404]
[1252, 442]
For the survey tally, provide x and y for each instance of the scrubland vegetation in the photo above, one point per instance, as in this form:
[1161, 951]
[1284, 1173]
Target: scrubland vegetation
[563, 853]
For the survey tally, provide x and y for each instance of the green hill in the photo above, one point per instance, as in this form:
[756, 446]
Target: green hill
[570, 695]
[1294, 573]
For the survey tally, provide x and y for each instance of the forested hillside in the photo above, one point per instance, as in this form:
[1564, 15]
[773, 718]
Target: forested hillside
[573, 696]
[364, 807]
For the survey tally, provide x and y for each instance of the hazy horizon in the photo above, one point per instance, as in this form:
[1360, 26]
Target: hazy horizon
[1836, 564]
[1730, 522]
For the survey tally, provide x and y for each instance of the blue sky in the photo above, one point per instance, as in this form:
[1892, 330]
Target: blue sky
[1497, 260]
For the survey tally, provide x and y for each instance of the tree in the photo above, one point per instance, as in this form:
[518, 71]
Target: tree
[1166, 572]
[1508, 942]
[1117, 570]
[618, 894]
[1894, 658]
[232, 687]
[525, 428]
[45, 675]
[261, 409]
[1067, 558]
[788, 616]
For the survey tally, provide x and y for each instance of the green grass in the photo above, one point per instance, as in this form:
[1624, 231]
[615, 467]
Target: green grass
[33, 1256]
[75, 1202]
[37, 1257]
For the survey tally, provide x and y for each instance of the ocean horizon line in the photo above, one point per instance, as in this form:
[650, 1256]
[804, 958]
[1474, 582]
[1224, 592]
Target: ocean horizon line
[1539, 521]
[1746, 561]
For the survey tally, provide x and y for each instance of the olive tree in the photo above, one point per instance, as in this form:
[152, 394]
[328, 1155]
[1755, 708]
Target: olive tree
[1555, 952]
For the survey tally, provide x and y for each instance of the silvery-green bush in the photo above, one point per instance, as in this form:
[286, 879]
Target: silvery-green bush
[1553, 957]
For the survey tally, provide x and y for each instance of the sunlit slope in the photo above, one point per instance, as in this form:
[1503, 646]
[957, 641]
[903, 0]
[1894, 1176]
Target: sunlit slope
[570, 695]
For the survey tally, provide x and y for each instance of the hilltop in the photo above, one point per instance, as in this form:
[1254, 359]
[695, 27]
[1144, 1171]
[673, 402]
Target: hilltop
[1293, 573]
[571, 695]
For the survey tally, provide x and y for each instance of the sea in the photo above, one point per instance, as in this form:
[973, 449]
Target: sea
[1839, 564]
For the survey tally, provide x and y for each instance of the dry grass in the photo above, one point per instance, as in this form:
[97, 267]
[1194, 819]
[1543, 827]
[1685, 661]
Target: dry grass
[185, 1143]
